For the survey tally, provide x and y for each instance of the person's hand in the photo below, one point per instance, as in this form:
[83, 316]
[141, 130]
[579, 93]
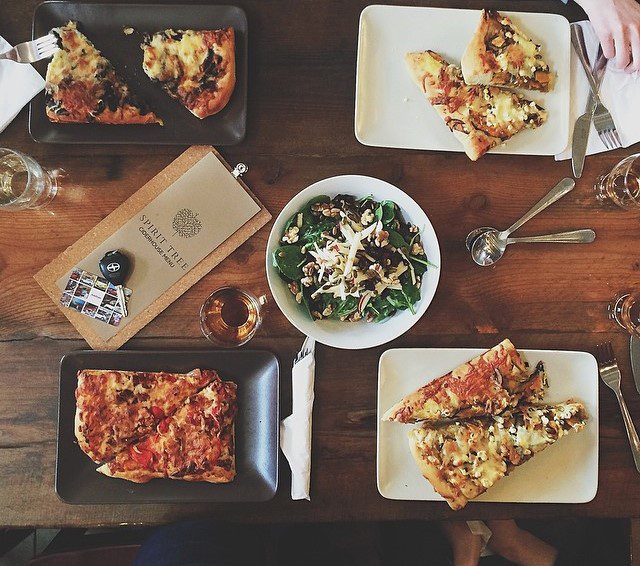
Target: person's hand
[617, 23]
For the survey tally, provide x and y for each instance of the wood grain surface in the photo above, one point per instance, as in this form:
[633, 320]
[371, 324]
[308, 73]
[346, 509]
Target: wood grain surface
[300, 130]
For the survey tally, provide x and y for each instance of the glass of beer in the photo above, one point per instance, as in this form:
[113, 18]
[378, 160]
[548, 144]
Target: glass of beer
[621, 187]
[24, 183]
[230, 317]
[625, 310]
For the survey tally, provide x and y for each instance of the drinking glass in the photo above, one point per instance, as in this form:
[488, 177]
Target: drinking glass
[625, 310]
[622, 185]
[230, 317]
[24, 183]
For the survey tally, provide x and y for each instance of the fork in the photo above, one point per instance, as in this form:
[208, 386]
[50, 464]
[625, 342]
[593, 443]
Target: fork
[32, 51]
[610, 374]
[307, 347]
[602, 119]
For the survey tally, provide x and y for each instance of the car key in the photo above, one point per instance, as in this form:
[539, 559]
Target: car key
[115, 267]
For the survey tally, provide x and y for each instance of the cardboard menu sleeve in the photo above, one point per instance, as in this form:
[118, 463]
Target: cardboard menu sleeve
[175, 229]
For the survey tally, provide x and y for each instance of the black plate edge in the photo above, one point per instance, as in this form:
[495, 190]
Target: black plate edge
[269, 497]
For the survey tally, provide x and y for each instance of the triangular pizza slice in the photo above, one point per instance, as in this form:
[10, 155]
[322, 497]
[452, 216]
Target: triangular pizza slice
[464, 459]
[196, 443]
[115, 408]
[487, 385]
[480, 117]
[197, 68]
[83, 86]
[501, 54]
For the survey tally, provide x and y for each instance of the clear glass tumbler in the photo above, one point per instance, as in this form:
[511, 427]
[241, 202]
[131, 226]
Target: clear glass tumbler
[24, 183]
[621, 186]
[625, 310]
[230, 317]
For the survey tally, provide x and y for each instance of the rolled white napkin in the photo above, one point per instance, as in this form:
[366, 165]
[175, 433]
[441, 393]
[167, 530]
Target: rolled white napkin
[619, 92]
[295, 430]
[19, 83]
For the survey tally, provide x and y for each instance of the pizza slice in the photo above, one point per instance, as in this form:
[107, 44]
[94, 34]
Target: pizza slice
[82, 86]
[487, 385]
[115, 408]
[197, 68]
[480, 117]
[464, 459]
[501, 54]
[196, 443]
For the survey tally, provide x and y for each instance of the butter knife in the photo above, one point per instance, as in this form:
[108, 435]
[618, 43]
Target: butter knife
[582, 126]
[635, 360]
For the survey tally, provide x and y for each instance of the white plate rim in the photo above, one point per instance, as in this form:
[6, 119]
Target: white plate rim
[359, 72]
[434, 256]
[470, 353]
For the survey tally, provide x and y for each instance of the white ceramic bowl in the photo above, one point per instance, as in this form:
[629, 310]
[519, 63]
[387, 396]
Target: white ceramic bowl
[354, 335]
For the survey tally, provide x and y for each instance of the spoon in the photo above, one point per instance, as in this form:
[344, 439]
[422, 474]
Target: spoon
[561, 189]
[489, 246]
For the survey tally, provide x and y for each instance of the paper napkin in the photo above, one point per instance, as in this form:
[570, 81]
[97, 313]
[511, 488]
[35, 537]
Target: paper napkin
[19, 83]
[295, 430]
[619, 91]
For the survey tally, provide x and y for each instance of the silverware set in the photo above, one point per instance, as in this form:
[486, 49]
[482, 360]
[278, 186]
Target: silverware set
[595, 112]
[487, 245]
[610, 375]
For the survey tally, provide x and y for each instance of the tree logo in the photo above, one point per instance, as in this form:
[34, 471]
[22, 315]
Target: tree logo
[186, 223]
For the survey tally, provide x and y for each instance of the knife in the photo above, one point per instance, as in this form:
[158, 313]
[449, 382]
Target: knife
[582, 126]
[635, 360]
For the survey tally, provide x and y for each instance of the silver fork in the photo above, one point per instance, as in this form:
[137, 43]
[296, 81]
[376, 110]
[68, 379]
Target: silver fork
[32, 51]
[602, 119]
[610, 374]
[307, 347]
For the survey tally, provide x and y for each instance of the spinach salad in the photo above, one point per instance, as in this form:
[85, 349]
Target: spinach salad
[350, 260]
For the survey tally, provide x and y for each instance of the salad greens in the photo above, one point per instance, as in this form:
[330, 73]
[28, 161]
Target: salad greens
[349, 259]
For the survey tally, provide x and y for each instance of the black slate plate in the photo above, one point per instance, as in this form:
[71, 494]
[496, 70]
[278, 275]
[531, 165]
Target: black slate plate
[103, 25]
[257, 429]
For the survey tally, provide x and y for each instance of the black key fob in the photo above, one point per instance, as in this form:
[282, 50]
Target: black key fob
[115, 267]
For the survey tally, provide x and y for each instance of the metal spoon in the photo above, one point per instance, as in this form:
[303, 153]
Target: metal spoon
[489, 247]
[561, 189]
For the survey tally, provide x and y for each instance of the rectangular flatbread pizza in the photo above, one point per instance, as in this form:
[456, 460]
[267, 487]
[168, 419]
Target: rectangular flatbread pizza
[116, 408]
[486, 385]
[197, 68]
[464, 459]
[501, 54]
[196, 443]
[480, 117]
[82, 86]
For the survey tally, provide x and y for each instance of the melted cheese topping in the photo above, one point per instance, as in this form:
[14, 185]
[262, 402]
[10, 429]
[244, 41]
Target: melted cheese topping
[167, 57]
[78, 59]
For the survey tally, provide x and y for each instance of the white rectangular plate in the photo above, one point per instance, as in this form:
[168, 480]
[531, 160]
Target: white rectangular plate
[391, 111]
[566, 472]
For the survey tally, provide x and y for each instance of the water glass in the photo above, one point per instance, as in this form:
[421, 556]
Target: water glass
[621, 186]
[625, 310]
[24, 183]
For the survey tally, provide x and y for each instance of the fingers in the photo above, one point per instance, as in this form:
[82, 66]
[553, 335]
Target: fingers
[606, 40]
[623, 51]
[635, 50]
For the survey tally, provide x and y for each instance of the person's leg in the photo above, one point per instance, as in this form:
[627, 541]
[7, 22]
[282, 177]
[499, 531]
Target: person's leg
[519, 546]
[197, 543]
[465, 545]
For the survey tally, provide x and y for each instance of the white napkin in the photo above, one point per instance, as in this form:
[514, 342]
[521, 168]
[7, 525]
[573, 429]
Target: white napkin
[19, 83]
[295, 430]
[619, 92]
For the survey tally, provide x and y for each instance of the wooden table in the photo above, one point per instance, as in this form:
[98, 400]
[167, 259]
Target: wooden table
[300, 129]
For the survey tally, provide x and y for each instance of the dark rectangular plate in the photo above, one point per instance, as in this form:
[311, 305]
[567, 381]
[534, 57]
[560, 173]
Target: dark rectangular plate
[103, 25]
[257, 429]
